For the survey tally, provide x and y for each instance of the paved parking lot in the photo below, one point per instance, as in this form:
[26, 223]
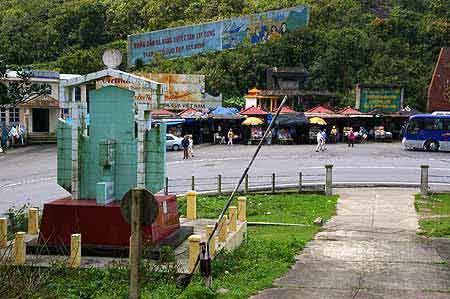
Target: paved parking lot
[29, 174]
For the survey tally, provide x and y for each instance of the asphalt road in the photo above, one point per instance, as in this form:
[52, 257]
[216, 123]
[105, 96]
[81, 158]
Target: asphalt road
[28, 175]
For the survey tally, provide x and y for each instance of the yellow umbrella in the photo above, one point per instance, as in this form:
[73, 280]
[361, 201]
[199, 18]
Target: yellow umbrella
[252, 121]
[317, 121]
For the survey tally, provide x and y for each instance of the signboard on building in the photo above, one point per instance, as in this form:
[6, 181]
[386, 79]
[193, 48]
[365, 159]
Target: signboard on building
[216, 36]
[183, 91]
[385, 98]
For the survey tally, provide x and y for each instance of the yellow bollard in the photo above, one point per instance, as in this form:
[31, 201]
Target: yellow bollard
[191, 205]
[75, 251]
[223, 230]
[33, 221]
[194, 251]
[19, 248]
[242, 208]
[3, 233]
[212, 243]
[233, 219]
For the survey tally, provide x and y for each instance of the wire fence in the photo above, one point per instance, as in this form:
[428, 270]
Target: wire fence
[224, 184]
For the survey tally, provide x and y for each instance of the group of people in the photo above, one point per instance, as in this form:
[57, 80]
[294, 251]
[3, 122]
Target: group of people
[12, 135]
[322, 138]
[188, 147]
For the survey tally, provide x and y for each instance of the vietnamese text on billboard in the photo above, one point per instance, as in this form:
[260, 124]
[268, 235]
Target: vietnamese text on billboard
[385, 99]
[216, 36]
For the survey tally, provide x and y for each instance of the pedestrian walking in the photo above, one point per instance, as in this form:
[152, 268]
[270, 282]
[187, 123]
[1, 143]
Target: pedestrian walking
[230, 137]
[191, 147]
[351, 138]
[324, 140]
[185, 145]
[269, 137]
[319, 141]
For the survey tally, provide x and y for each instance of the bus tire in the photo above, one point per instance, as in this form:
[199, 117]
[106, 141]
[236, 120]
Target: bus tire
[432, 146]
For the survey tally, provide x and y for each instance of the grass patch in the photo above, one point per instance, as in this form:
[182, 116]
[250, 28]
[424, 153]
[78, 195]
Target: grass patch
[284, 208]
[434, 210]
[267, 253]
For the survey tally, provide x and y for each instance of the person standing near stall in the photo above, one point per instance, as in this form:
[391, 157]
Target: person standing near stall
[185, 144]
[230, 137]
[333, 135]
[351, 138]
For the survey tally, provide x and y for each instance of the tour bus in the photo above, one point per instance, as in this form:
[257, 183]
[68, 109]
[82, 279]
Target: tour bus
[430, 132]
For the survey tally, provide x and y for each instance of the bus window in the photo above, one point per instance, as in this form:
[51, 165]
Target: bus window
[415, 125]
[428, 124]
[438, 124]
[446, 124]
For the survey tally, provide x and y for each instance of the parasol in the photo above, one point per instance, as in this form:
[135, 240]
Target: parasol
[317, 121]
[252, 121]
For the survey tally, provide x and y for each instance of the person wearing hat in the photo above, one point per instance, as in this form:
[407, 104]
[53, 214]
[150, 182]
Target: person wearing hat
[333, 134]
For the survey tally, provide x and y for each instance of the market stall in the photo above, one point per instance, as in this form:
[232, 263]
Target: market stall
[291, 128]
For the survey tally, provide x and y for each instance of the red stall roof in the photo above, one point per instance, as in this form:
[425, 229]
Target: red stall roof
[287, 109]
[253, 111]
[320, 109]
[190, 113]
[349, 111]
[162, 112]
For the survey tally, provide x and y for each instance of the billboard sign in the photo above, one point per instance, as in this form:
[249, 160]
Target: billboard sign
[216, 36]
[182, 91]
[384, 98]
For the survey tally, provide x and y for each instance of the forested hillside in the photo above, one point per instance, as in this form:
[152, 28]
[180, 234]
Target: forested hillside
[347, 41]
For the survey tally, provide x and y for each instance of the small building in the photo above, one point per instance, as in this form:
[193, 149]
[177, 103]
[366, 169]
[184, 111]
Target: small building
[291, 82]
[39, 114]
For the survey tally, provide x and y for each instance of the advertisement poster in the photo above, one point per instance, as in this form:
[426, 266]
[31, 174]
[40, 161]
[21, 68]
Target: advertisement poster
[182, 91]
[216, 36]
[388, 100]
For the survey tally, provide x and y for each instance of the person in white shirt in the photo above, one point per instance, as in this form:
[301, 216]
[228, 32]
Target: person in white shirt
[191, 146]
[319, 141]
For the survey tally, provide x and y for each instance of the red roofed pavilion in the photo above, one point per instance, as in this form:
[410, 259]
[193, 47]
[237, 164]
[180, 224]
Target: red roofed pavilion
[320, 109]
[253, 111]
[162, 112]
[287, 109]
[349, 111]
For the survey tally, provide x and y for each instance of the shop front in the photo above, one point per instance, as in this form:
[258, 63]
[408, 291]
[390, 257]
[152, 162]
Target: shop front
[39, 115]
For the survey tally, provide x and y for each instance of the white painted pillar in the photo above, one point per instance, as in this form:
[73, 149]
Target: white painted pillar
[75, 155]
[141, 127]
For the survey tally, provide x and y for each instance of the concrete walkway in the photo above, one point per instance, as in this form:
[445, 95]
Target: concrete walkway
[369, 250]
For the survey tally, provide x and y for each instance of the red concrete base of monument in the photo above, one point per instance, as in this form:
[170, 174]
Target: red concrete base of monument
[102, 225]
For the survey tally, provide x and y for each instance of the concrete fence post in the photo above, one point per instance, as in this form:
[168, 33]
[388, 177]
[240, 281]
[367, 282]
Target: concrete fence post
[19, 248]
[191, 212]
[424, 179]
[75, 251]
[233, 219]
[219, 184]
[194, 251]
[212, 243]
[223, 229]
[33, 221]
[246, 183]
[328, 180]
[3, 232]
[166, 187]
[242, 208]
[300, 182]
[273, 182]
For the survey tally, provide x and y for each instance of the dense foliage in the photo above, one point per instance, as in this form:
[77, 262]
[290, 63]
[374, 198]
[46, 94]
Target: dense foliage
[345, 43]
